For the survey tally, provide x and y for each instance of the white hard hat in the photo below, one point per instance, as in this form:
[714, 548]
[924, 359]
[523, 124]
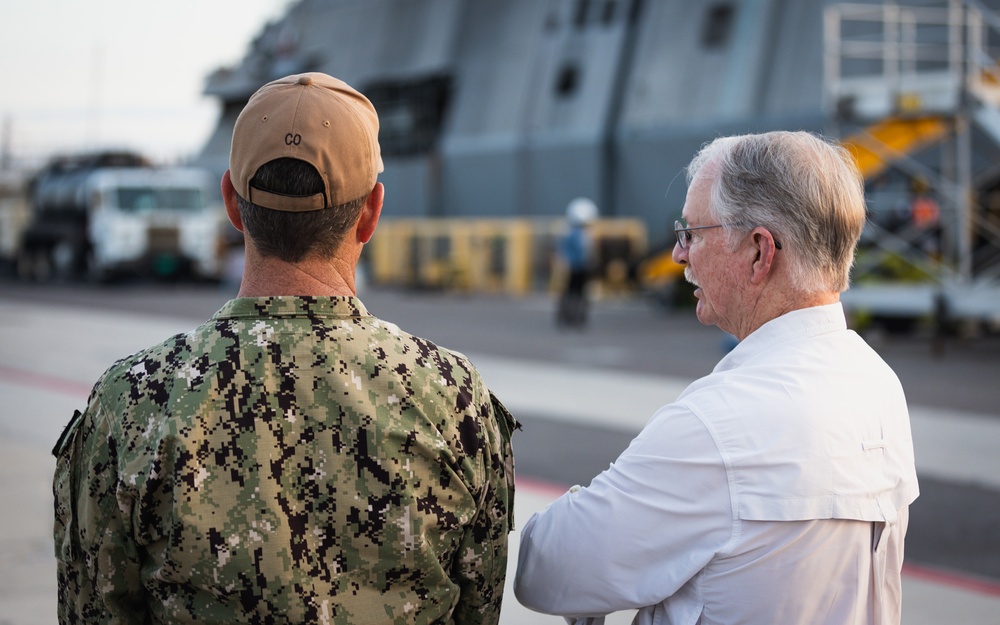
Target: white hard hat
[581, 211]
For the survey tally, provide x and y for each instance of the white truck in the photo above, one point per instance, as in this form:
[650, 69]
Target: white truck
[113, 214]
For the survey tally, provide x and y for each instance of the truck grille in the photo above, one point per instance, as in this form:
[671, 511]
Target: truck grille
[164, 240]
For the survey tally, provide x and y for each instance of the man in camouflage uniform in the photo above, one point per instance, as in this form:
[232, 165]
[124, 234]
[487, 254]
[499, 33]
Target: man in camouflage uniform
[295, 459]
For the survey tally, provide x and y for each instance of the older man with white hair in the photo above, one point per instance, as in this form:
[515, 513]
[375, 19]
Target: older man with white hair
[776, 489]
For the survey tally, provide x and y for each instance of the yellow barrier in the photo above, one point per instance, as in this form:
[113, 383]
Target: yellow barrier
[492, 255]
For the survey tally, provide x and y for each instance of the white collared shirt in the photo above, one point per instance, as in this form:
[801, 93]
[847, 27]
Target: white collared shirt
[774, 490]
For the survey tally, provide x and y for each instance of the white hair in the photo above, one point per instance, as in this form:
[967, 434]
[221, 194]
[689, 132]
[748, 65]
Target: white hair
[807, 191]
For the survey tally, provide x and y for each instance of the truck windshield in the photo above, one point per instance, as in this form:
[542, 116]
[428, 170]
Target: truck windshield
[140, 199]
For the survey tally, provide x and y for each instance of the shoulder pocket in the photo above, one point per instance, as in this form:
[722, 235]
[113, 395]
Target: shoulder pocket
[507, 424]
[67, 433]
[63, 483]
[505, 420]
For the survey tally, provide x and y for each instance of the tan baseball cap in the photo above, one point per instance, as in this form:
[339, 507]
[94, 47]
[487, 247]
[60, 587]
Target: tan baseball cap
[314, 118]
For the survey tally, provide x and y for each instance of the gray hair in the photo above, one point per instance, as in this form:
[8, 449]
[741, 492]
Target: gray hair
[806, 190]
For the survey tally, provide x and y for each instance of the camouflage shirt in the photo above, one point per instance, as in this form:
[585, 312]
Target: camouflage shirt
[293, 460]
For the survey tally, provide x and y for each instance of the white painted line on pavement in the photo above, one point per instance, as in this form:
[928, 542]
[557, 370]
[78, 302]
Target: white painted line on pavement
[609, 398]
[949, 444]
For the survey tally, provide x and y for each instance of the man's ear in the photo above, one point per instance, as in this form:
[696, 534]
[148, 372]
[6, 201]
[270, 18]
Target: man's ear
[229, 199]
[371, 210]
[766, 249]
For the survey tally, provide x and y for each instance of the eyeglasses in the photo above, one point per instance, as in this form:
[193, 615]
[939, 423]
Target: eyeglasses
[684, 235]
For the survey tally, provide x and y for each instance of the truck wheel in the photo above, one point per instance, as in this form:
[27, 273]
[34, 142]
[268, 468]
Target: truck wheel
[34, 264]
[43, 269]
[23, 265]
[63, 257]
[94, 273]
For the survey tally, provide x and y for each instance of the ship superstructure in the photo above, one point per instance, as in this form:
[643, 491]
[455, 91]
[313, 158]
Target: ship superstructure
[509, 109]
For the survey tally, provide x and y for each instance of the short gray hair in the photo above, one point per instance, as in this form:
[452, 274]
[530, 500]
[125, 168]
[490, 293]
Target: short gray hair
[805, 189]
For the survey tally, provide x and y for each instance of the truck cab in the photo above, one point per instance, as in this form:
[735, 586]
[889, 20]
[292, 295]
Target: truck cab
[152, 220]
[102, 218]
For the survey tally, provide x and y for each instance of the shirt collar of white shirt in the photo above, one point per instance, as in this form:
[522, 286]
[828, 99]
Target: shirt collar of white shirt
[796, 324]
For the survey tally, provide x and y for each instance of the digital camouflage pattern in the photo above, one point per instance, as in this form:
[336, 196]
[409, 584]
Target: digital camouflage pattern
[293, 460]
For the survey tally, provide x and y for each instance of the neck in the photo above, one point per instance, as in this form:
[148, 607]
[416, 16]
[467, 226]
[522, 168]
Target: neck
[313, 276]
[772, 308]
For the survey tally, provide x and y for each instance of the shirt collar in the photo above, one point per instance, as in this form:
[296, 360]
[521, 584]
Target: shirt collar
[794, 325]
[292, 306]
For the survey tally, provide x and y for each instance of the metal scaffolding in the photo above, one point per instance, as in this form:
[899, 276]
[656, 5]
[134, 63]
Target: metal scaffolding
[915, 90]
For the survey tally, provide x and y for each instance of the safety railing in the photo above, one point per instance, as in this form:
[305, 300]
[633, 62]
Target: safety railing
[889, 59]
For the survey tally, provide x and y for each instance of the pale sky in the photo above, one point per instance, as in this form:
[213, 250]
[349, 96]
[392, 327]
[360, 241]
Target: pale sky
[87, 74]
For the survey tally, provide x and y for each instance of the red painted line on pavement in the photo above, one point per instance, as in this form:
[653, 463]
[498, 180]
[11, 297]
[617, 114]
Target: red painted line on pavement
[43, 381]
[540, 487]
[960, 581]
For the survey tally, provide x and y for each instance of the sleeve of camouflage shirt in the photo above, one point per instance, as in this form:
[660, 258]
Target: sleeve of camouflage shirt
[90, 533]
[482, 578]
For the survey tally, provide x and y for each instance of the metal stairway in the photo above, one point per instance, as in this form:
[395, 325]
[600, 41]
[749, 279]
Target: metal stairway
[914, 93]
[878, 146]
